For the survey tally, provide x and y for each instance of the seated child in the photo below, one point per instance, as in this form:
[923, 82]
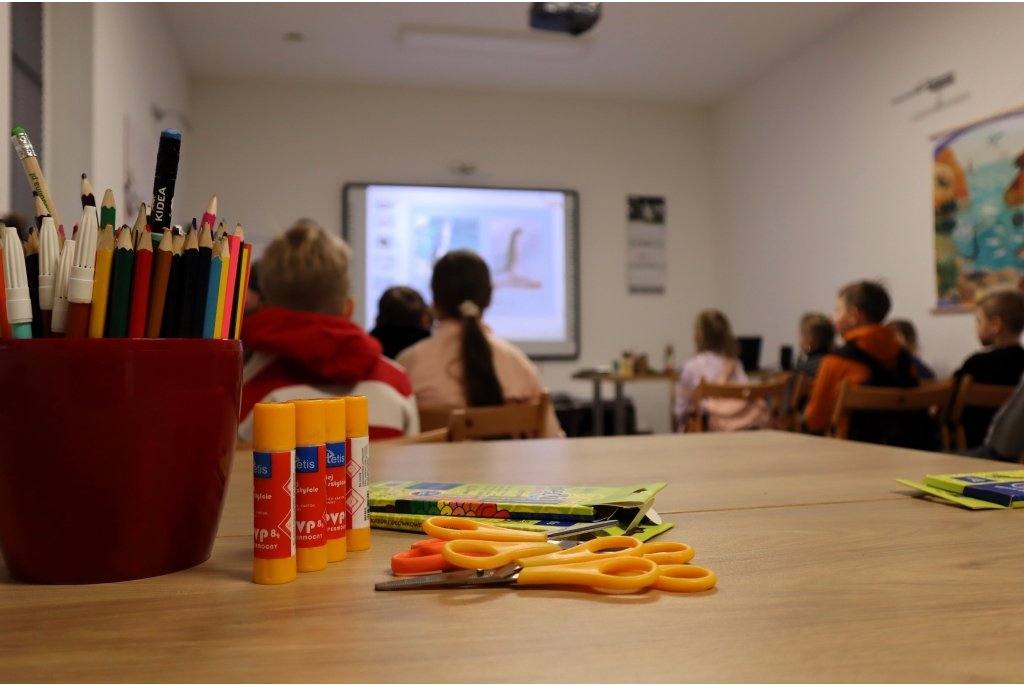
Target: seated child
[871, 349]
[306, 347]
[1000, 321]
[463, 364]
[907, 335]
[1005, 439]
[403, 319]
[817, 339]
[716, 361]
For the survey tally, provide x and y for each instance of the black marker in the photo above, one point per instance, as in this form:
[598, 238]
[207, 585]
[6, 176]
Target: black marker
[163, 183]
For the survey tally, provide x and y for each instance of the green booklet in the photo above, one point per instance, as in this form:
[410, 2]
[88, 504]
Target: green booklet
[509, 502]
[413, 523]
[981, 490]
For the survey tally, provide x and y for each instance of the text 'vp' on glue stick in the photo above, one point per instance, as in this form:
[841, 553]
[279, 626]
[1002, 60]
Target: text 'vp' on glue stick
[337, 480]
[357, 428]
[310, 485]
[273, 494]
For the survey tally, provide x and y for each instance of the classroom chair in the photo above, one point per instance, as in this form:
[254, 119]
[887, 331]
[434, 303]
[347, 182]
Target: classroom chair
[772, 392]
[971, 394]
[432, 418]
[802, 386]
[935, 397]
[436, 435]
[516, 420]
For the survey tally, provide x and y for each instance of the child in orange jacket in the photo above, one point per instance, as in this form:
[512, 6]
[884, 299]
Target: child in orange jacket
[860, 310]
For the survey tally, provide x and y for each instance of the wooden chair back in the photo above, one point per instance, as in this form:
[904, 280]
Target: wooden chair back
[773, 392]
[859, 398]
[971, 394]
[437, 435]
[802, 386]
[432, 418]
[516, 420]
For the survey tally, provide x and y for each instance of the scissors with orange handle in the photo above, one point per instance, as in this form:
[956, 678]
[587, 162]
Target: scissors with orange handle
[425, 556]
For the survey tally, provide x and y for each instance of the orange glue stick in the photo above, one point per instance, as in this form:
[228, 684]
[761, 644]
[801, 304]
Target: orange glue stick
[337, 480]
[273, 496]
[310, 485]
[357, 430]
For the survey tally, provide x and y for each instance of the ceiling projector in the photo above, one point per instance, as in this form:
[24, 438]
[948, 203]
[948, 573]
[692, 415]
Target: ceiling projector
[565, 17]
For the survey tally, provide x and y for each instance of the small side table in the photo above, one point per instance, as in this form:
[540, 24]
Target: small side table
[620, 405]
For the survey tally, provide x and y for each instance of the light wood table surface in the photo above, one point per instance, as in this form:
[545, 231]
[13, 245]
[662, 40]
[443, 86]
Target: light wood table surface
[813, 585]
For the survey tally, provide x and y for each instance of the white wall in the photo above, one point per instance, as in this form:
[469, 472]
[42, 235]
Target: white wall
[820, 180]
[105, 63]
[275, 152]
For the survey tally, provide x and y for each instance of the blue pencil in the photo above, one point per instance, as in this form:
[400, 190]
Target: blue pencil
[212, 294]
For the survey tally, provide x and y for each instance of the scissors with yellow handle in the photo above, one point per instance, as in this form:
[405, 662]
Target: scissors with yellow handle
[481, 554]
[455, 528]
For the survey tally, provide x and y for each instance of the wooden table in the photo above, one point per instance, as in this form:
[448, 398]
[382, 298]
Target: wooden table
[827, 572]
[620, 381]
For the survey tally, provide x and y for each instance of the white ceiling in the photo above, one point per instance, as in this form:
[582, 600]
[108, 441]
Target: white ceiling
[685, 52]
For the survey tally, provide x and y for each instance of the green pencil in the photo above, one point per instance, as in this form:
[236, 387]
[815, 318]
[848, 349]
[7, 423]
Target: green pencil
[121, 285]
[108, 211]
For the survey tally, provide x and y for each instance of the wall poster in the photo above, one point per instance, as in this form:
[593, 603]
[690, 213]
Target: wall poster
[979, 209]
[646, 244]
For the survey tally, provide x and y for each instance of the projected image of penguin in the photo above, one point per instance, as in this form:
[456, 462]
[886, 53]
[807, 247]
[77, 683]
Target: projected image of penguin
[518, 266]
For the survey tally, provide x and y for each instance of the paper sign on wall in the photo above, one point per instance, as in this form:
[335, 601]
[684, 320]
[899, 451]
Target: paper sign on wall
[646, 233]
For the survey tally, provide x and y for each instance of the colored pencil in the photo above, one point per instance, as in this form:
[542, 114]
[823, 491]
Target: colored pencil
[243, 289]
[189, 286]
[59, 322]
[173, 299]
[212, 292]
[32, 272]
[164, 179]
[49, 260]
[203, 272]
[40, 209]
[60, 235]
[19, 304]
[88, 199]
[121, 285]
[225, 269]
[29, 161]
[140, 227]
[141, 285]
[83, 273]
[222, 230]
[210, 215]
[5, 325]
[101, 282]
[108, 210]
[158, 286]
[235, 243]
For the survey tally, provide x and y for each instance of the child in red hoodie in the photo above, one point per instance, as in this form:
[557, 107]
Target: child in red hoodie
[304, 344]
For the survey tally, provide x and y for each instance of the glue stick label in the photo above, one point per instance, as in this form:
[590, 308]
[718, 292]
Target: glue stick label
[358, 482]
[336, 490]
[310, 494]
[273, 475]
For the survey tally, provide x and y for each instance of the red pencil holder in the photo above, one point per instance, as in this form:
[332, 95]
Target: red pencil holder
[114, 455]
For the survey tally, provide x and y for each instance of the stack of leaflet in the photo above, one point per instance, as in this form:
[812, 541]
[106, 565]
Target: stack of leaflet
[986, 490]
[405, 505]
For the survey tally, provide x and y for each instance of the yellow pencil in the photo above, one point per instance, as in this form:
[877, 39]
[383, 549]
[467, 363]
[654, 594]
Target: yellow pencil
[101, 284]
[225, 257]
[243, 282]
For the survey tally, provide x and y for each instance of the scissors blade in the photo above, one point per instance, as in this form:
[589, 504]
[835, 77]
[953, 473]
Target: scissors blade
[585, 528]
[502, 575]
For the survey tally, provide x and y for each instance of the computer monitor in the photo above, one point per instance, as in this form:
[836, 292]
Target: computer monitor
[750, 352]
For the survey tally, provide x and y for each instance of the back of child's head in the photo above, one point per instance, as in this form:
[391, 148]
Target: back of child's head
[817, 328]
[306, 269]
[1008, 305]
[870, 298]
[401, 306]
[461, 286]
[714, 334]
[905, 329]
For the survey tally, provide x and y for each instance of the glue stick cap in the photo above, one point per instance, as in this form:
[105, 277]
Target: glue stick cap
[273, 427]
[334, 410]
[357, 418]
[310, 428]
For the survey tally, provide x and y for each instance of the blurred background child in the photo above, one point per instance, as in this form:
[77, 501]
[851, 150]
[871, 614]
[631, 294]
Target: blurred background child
[403, 319]
[907, 335]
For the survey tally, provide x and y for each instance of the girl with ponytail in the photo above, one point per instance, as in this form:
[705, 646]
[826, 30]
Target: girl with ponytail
[463, 363]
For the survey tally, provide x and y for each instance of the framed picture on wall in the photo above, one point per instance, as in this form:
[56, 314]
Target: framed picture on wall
[979, 209]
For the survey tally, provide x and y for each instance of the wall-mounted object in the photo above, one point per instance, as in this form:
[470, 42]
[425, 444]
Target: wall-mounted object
[647, 265]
